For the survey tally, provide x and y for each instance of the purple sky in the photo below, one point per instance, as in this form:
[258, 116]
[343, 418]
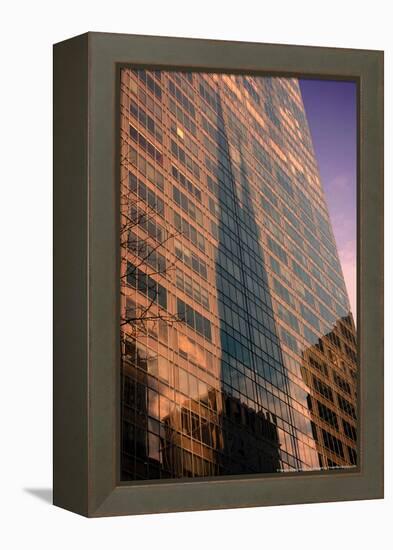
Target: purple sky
[331, 113]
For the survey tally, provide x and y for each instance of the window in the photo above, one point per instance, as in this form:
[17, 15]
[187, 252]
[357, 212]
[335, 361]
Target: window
[147, 79]
[352, 456]
[250, 89]
[181, 116]
[190, 258]
[348, 334]
[283, 292]
[277, 249]
[326, 314]
[233, 347]
[327, 415]
[186, 139]
[351, 354]
[194, 319]
[301, 273]
[317, 365]
[147, 169]
[193, 289]
[189, 231]
[146, 194]
[223, 176]
[146, 145]
[289, 340]
[346, 406]
[187, 205]
[270, 210]
[146, 285]
[284, 181]
[147, 101]
[181, 98]
[341, 383]
[310, 336]
[269, 194]
[349, 430]
[220, 139]
[311, 239]
[272, 115]
[288, 317]
[146, 252]
[152, 228]
[323, 295]
[186, 183]
[185, 159]
[209, 95]
[323, 389]
[333, 444]
[334, 339]
[309, 316]
[262, 156]
[275, 266]
[291, 217]
[145, 120]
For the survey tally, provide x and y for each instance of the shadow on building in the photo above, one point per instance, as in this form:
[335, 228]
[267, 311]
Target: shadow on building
[249, 426]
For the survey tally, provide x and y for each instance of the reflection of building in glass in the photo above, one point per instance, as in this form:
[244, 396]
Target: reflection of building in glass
[238, 346]
[239, 440]
[328, 370]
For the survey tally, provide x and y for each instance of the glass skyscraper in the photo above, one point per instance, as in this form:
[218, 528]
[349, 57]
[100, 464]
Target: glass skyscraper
[238, 346]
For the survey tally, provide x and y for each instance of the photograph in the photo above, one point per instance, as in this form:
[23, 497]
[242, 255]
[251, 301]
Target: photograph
[203, 191]
[238, 274]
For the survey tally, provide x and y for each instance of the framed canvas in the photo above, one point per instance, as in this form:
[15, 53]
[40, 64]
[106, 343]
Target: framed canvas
[218, 274]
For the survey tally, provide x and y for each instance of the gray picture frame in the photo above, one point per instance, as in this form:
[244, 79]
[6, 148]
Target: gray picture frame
[86, 267]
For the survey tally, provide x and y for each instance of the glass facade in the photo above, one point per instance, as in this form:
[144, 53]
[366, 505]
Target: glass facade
[238, 346]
